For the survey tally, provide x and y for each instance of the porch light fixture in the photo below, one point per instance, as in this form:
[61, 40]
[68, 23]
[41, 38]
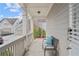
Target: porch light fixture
[38, 12]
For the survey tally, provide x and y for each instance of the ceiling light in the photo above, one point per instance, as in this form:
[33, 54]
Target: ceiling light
[38, 12]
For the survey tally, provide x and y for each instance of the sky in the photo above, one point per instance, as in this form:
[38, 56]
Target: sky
[10, 10]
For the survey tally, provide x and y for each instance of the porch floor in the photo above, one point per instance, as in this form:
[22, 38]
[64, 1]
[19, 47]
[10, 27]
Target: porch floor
[36, 48]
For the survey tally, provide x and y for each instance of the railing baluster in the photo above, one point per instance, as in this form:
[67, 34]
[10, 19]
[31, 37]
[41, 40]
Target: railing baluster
[12, 50]
[6, 52]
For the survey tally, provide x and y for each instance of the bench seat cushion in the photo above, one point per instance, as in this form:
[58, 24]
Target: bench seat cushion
[49, 41]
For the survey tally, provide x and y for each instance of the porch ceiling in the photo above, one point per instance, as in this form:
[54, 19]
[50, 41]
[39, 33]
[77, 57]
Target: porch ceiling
[38, 9]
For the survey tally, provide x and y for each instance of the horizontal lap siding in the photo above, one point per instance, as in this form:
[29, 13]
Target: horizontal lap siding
[57, 25]
[75, 34]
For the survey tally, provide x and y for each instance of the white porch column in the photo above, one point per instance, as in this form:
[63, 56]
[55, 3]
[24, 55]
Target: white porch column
[27, 27]
[24, 24]
[25, 30]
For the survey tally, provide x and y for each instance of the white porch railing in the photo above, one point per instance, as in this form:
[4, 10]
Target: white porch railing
[30, 38]
[13, 46]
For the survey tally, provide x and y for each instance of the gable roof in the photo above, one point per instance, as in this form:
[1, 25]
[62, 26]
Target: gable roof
[10, 20]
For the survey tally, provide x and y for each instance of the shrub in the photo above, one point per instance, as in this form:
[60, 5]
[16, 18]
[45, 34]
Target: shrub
[38, 32]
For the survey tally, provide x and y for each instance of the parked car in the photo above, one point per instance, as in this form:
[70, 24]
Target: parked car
[1, 40]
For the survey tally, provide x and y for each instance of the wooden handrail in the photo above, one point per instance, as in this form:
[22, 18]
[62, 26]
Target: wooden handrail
[11, 42]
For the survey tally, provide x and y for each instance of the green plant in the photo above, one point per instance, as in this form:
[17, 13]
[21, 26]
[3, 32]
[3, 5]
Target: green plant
[7, 52]
[38, 32]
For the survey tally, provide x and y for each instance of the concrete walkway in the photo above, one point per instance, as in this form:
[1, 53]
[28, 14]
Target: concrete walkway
[36, 48]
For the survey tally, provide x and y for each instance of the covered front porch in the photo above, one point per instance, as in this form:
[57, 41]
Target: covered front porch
[23, 43]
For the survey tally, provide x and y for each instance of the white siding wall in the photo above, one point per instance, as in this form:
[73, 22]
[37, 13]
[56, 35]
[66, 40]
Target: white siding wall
[57, 25]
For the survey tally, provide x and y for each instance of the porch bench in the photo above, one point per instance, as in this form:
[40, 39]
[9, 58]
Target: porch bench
[52, 47]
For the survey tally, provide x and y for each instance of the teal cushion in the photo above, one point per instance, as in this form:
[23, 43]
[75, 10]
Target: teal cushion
[49, 40]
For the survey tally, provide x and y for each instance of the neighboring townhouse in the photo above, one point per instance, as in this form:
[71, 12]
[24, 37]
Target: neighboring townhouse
[6, 25]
